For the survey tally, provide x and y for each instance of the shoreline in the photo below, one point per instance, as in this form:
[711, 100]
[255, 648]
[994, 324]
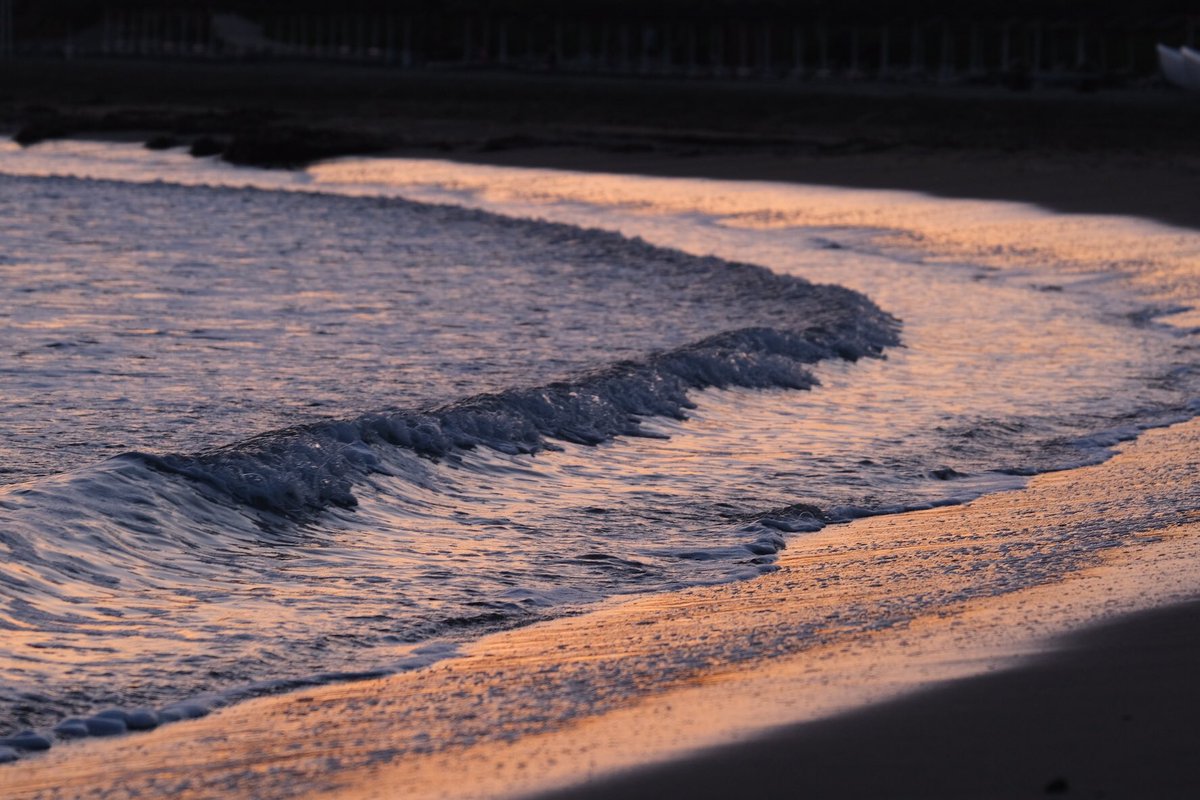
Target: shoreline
[561, 703]
[1104, 714]
[1114, 152]
[1064, 183]
[382, 734]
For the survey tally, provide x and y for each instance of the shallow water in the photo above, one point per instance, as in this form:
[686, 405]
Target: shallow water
[367, 427]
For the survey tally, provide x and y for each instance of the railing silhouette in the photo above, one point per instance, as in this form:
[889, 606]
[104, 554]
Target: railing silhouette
[6, 29]
[937, 50]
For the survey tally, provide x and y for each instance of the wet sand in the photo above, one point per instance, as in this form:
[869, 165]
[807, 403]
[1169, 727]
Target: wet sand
[1075, 183]
[651, 679]
[1127, 151]
[1112, 714]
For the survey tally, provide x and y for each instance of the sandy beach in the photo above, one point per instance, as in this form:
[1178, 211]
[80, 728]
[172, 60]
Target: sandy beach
[1126, 151]
[1103, 716]
[1080, 686]
[565, 703]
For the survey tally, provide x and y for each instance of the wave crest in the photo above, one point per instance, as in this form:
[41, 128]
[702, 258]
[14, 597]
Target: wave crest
[309, 467]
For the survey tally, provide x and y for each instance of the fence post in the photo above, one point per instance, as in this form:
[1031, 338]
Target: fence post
[885, 55]
[607, 59]
[716, 56]
[798, 52]
[626, 43]
[853, 53]
[644, 57]
[664, 56]
[107, 47]
[976, 50]
[743, 50]
[947, 70]
[691, 48]
[1037, 47]
[6, 29]
[764, 38]
[916, 56]
[823, 41]
[1005, 47]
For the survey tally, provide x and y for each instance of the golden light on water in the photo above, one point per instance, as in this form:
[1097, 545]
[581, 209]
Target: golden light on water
[994, 338]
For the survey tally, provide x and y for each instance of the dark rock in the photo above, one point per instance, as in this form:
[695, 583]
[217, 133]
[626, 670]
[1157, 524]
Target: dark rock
[945, 474]
[162, 142]
[104, 726]
[7, 754]
[113, 713]
[26, 741]
[169, 715]
[141, 720]
[40, 131]
[71, 729]
[295, 147]
[183, 711]
[207, 146]
[1057, 786]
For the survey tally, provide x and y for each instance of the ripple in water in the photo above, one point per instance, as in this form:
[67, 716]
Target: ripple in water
[367, 428]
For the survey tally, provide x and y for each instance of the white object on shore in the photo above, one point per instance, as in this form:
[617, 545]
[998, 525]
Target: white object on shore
[1180, 67]
[1191, 66]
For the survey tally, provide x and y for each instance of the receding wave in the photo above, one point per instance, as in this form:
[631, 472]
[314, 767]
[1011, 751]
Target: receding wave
[236, 524]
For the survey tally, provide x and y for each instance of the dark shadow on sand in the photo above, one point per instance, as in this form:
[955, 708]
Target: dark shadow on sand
[1113, 714]
[1128, 151]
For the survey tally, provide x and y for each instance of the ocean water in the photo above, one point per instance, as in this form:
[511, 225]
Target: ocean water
[264, 429]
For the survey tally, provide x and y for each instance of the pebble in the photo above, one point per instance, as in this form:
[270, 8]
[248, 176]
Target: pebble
[104, 726]
[71, 729]
[113, 713]
[7, 754]
[26, 740]
[141, 719]
[183, 711]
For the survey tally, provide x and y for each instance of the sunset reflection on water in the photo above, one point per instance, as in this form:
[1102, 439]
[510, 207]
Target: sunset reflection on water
[1029, 341]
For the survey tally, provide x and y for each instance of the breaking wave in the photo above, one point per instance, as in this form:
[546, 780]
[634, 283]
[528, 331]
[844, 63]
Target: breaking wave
[234, 521]
[308, 467]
